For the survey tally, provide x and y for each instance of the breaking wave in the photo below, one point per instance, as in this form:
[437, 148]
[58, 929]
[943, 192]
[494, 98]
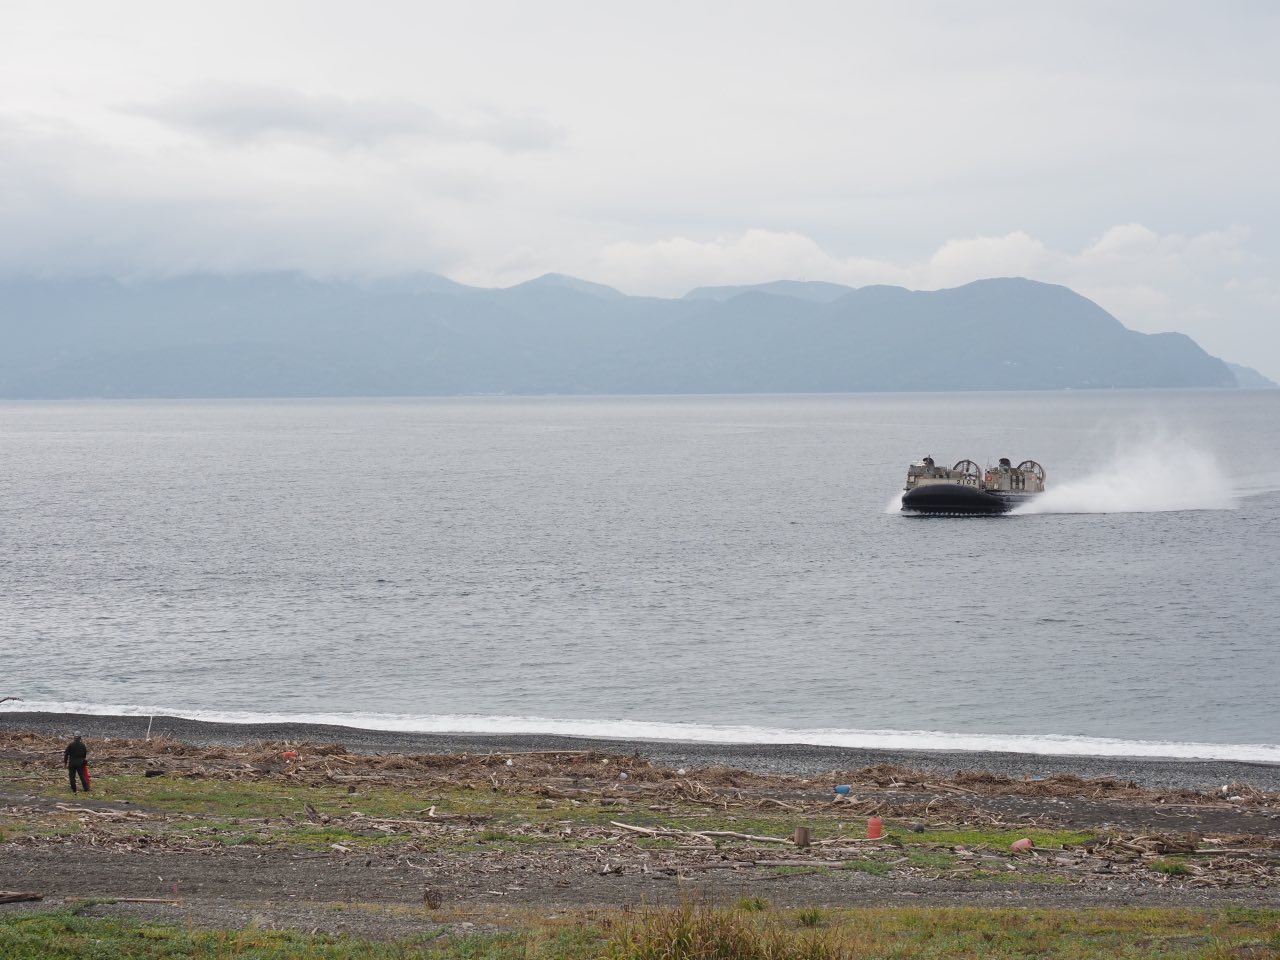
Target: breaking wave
[632, 730]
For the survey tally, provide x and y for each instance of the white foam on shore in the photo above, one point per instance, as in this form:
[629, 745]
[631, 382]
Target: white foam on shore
[1052, 745]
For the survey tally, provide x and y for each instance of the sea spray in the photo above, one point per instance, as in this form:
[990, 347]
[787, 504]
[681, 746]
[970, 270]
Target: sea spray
[1157, 474]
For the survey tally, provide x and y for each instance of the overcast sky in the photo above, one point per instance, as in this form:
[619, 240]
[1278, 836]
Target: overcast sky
[1129, 150]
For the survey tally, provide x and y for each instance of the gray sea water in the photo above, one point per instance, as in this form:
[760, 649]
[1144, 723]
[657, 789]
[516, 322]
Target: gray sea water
[703, 568]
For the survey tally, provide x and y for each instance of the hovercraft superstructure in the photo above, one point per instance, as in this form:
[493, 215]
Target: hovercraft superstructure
[967, 490]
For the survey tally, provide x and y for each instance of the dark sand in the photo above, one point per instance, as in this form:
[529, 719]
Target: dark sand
[791, 759]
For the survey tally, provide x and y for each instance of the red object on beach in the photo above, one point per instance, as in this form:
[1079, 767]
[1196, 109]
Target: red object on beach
[290, 755]
[1021, 846]
[874, 827]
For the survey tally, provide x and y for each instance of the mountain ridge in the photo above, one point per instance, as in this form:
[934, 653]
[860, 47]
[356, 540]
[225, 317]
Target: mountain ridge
[287, 334]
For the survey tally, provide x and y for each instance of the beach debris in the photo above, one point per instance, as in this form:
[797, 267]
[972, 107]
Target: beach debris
[875, 827]
[1137, 851]
[842, 789]
[1022, 846]
[432, 898]
[8, 896]
[802, 837]
[314, 815]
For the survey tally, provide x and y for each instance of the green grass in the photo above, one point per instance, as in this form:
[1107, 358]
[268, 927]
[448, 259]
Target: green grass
[232, 812]
[874, 867]
[932, 859]
[994, 839]
[702, 933]
[811, 917]
[64, 936]
[751, 932]
[213, 799]
[273, 798]
[799, 871]
[1171, 866]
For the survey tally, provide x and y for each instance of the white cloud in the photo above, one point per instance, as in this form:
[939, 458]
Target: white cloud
[246, 113]
[1151, 282]
[959, 261]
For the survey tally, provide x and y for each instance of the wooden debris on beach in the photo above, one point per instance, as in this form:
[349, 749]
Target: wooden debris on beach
[589, 775]
[9, 896]
[583, 785]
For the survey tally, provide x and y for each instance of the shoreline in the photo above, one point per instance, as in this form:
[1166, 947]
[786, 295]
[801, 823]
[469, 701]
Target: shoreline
[796, 759]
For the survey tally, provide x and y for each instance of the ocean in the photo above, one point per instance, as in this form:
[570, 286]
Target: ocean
[696, 568]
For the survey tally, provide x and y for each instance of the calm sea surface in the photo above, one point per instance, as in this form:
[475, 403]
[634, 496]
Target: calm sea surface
[721, 568]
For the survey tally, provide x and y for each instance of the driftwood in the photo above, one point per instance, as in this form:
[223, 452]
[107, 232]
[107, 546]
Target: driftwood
[698, 834]
[14, 897]
[104, 814]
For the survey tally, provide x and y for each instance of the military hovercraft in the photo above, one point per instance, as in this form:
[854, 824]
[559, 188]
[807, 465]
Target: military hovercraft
[966, 489]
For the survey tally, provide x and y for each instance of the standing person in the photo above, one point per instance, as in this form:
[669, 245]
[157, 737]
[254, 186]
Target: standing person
[76, 759]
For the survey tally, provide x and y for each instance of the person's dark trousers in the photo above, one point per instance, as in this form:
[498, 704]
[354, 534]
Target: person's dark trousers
[83, 770]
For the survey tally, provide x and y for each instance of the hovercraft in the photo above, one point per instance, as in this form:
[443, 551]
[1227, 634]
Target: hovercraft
[968, 490]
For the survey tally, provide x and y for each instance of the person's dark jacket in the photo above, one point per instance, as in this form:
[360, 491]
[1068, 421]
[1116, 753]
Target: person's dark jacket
[75, 754]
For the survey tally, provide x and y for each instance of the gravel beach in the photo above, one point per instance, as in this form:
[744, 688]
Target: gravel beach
[384, 834]
[790, 759]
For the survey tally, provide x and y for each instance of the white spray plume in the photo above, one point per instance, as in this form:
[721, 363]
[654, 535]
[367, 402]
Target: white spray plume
[1157, 474]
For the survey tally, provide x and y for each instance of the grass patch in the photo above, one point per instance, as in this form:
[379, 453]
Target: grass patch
[695, 931]
[932, 859]
[65, 936]
[702, 933]
[799, 871]
[1171, 866]
[655, 843]
[811, 917]
[1018, 877]
[994, 839]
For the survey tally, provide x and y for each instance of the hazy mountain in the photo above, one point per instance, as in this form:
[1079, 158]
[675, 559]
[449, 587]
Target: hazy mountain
[570, 283]
[291, 335]
[1250, 379]
[818, 290]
